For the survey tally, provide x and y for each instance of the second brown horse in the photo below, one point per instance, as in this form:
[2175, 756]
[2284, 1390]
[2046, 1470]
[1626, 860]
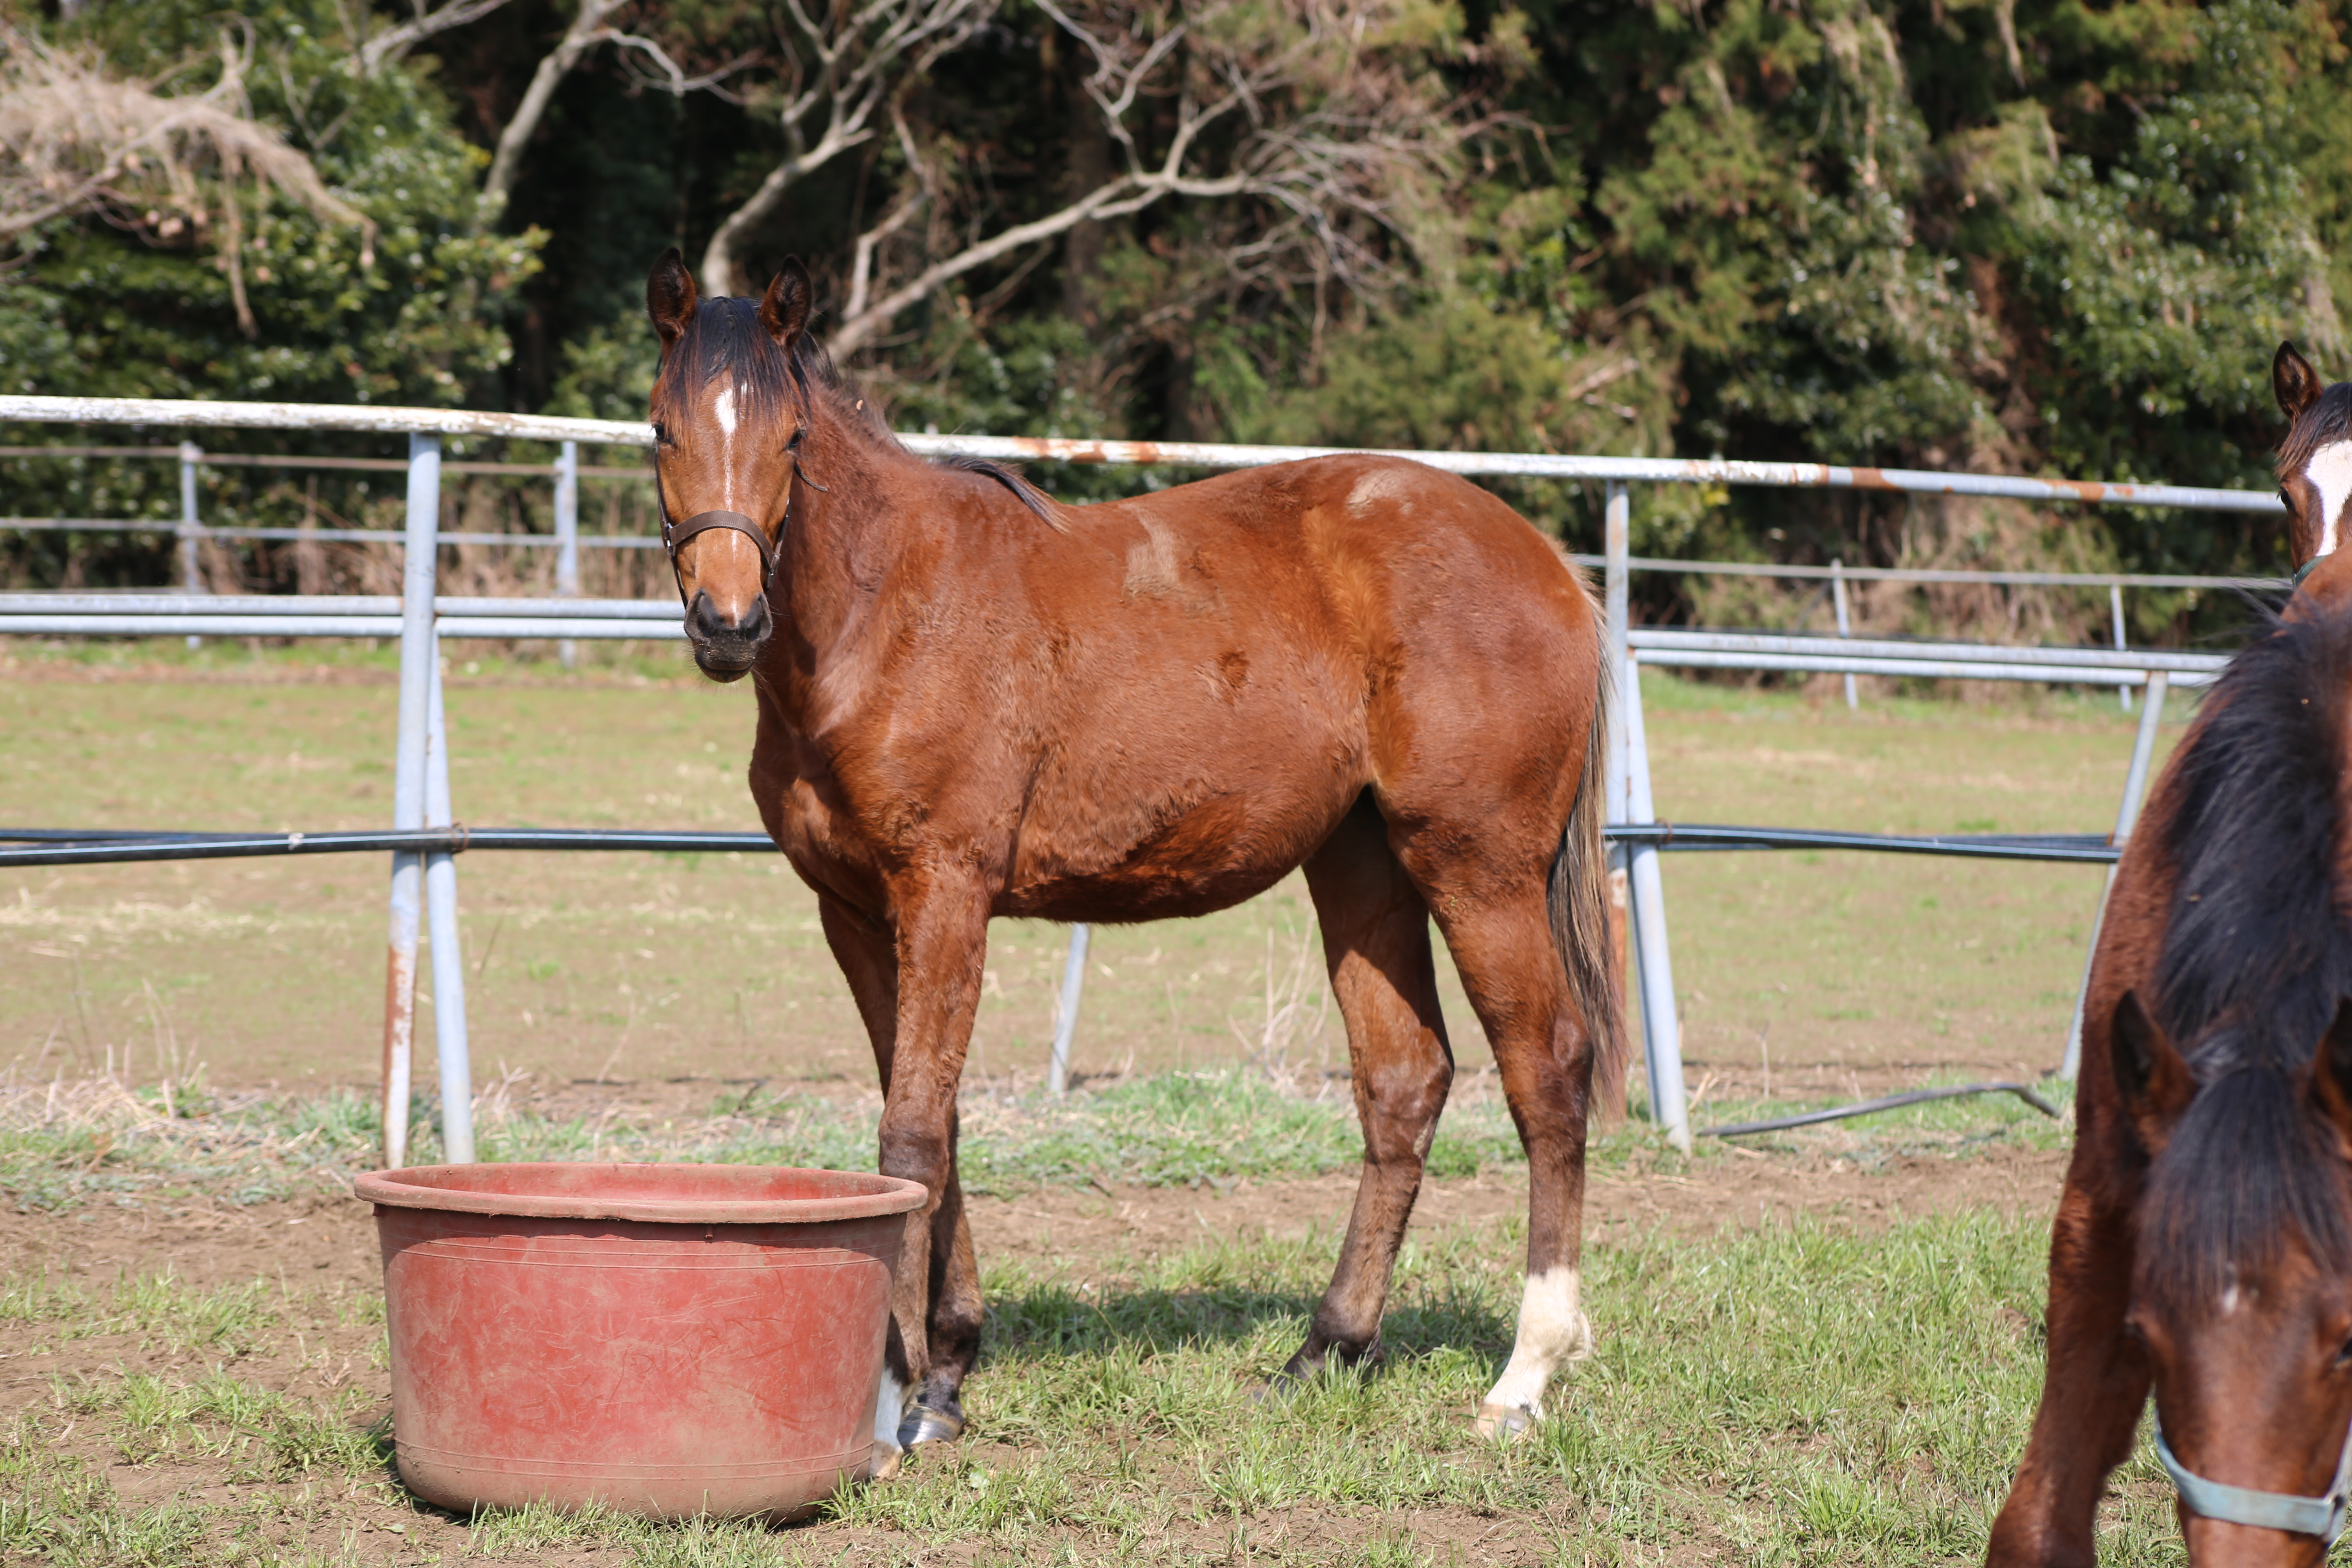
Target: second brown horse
[976, 702]
[2202, 1249]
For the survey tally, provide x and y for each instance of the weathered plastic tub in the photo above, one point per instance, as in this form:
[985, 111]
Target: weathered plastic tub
[666, 1339]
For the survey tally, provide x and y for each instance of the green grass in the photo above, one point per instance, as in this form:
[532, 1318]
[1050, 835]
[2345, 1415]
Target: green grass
[1797, 1394]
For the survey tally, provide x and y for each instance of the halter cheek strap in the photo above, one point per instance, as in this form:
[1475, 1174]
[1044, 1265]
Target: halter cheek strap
[2302, 571]
[2319, 1516]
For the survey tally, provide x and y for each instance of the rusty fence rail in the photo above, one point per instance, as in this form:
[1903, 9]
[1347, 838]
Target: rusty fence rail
[423, 888]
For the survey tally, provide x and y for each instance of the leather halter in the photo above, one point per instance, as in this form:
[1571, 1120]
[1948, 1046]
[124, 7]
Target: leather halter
[2319, 1516]
[676, 534]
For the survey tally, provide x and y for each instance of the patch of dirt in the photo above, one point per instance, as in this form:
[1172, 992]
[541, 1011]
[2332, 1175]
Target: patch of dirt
[1102, 1225]
[325, 1242]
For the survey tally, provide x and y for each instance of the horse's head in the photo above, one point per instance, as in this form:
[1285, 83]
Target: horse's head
[2314, 472]
[730, 409]
[2242, 1292]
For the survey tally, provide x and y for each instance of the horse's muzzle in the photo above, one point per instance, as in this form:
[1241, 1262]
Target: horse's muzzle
[725, 649]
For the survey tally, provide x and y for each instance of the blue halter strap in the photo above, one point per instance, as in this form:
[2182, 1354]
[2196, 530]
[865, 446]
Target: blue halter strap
[2302, 571]
[2319, 1516]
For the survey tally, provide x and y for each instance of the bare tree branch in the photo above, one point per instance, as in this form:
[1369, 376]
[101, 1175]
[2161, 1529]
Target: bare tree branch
[1288, 111]
[395, 42]
[671, 77]
[842, 66]
[586, 30]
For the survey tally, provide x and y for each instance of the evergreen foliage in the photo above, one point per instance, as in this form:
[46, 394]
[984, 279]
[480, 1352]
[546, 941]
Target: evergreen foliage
[2030, 236]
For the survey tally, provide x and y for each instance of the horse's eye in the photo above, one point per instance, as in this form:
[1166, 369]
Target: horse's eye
[661, 434]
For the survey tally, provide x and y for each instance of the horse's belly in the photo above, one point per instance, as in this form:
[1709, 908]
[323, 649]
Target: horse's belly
[1144, 864]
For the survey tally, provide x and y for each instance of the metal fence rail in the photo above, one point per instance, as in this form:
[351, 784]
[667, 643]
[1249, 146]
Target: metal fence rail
[96, 846]
[424, 875]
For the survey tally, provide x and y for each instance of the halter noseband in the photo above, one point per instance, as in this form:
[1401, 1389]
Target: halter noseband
[2302, 571]
[2319, 1516]
[676, 534]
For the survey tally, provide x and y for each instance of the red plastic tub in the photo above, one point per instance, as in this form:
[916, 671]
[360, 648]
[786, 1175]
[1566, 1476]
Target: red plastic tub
[668, 1340]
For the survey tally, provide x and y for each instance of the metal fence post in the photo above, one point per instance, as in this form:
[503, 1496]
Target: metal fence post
[1662, 1031]
[567, 540]
[2116, 603]
[1616, 602]
[2151, 715]
[1065, 1018]
[448, 950]
[1845, 627]
[191, 528]
[417, 653]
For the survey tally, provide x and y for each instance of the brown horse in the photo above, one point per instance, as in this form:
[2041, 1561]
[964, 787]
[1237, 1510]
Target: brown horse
[976, 702]
[2203, 1243]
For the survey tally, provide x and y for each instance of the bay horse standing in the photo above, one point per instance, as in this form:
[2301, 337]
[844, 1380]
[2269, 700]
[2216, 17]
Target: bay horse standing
[976, 702]
[2203, 1242]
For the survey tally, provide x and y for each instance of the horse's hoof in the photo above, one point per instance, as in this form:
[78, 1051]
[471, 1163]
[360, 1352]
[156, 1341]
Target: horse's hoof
[1503, 1423]
[886, 1463]
[929, 1424]
[1278, 1390]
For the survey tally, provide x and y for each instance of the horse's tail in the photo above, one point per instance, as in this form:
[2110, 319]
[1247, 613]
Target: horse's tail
[1579, 900]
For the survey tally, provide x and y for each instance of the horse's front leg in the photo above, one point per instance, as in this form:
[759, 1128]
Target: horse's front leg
[941, 942]
[2092, 1390]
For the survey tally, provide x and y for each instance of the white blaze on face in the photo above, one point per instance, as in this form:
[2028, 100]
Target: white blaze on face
[2330, 473]
[723, 410]
[1553, 1332]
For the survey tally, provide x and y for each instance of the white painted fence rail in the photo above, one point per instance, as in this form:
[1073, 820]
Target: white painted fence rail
[420, 618]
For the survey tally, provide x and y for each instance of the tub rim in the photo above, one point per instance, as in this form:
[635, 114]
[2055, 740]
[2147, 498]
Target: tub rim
[393, 1189]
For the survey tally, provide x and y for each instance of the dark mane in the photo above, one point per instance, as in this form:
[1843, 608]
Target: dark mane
[725, 339]
[2328, 419]
[1027, 494]
[2256, 953]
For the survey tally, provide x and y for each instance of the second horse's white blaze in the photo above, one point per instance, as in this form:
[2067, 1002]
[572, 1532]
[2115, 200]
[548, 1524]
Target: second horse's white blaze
[2330, 473]
[1552, 1333]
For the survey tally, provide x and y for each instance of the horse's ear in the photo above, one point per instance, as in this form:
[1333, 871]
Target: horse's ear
[2331, 1073]
[2296, 384]
[670, 298]
[2155, 1080]
[784, 307]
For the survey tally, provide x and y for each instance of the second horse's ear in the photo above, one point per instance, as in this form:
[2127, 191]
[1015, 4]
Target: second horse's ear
[2292, 381]
[2153, 1077]
[670, 298]
[784, 307]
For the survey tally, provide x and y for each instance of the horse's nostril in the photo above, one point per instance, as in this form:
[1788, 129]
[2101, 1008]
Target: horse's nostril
[750, 626]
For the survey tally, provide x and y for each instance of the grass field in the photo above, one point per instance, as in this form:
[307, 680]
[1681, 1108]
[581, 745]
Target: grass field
[1819, 1348]
[1797, 973]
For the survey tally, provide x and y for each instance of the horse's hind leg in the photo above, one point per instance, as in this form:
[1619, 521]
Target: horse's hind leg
[1376, 943]
[1500, 935]
[905, 1416]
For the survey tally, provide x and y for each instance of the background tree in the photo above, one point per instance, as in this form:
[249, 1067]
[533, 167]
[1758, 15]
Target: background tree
[2038, 235]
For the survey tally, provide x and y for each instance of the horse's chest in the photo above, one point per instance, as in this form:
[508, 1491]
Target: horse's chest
[806, 811]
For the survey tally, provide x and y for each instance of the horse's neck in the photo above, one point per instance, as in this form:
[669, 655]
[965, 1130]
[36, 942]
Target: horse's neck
[854, 501]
